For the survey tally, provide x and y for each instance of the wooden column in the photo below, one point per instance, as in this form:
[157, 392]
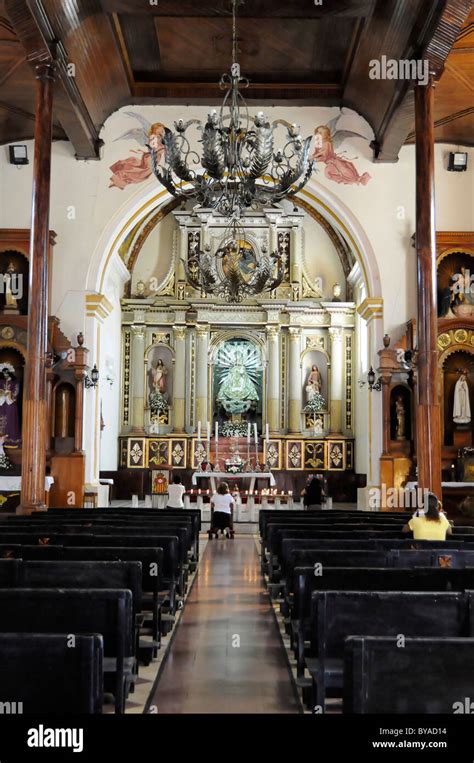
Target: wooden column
[386, 379]
[34, 393]
[428, 446]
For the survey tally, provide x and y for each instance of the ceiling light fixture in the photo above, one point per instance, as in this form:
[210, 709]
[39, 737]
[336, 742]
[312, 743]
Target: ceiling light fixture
[240, 168]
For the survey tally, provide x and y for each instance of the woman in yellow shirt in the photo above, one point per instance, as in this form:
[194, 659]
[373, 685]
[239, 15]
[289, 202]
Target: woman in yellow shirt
[432, 525]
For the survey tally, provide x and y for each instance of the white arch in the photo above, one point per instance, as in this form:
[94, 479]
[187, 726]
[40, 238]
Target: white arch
[151, 195]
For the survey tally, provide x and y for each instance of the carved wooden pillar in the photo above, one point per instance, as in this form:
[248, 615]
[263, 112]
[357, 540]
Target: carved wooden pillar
[34, 394]
[386, 379]
[428, 445]
[80, 370]
[49, 396]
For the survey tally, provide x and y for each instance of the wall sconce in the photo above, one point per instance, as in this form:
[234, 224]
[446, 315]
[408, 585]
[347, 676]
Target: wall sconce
[18, 155]
[93, 379]
[373, 385]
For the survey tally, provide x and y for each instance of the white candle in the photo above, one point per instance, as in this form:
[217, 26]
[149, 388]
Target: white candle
[267, 432]
[199, 430]
[255, 434]
[248, 432]
[208, 431]
[217, 431]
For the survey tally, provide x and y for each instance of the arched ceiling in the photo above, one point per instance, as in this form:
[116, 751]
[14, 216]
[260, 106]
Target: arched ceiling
[124, 52]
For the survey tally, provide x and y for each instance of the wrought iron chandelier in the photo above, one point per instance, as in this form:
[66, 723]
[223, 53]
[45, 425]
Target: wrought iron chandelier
[240, 168]
[236, 270]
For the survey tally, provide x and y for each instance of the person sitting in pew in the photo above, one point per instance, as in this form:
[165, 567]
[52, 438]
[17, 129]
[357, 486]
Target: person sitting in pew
[312, 493]
[176, 493]
[432, 524]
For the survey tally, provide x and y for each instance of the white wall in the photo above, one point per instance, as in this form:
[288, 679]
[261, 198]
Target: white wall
[82, 206]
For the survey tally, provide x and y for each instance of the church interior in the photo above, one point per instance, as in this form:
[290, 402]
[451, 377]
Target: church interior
[236, 358]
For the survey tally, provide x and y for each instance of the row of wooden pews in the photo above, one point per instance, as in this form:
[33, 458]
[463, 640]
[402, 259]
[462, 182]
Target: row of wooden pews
[374, 620]
[95, 591]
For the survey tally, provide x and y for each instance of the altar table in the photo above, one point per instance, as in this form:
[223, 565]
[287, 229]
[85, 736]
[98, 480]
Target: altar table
[10, 487]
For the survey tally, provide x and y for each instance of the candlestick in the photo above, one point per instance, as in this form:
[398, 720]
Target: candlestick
[216, 465]
[248, 466]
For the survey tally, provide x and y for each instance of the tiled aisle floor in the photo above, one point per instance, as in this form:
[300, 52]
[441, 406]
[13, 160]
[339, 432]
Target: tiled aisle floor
[206, 670]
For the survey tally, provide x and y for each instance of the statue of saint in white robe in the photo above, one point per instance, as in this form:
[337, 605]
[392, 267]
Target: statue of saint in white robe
[461, 408]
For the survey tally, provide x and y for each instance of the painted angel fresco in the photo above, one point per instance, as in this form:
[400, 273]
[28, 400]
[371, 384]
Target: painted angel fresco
[327, 138]
[136, 169]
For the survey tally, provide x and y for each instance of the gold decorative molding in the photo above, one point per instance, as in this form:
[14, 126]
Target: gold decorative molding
[370, 308]
[455, 340]
[179, 333]
[98, 306]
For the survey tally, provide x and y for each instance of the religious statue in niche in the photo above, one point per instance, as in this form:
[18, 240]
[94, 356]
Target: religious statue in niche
[237, 387]
[327, 138]
[157, 398]
[314, 383]
[12, 289]
[9, 420]
[159, 375]
[400, 415]
[315, 402]
[237, 391]
[136, 169]
[462, 407]
[455, 286]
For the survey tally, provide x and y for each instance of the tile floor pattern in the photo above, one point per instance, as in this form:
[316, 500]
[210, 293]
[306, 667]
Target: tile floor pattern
[205, 671]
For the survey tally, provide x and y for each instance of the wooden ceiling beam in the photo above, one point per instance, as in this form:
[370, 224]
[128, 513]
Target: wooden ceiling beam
[437, 35]
[32, 26]
[261, 9]
[210, 92]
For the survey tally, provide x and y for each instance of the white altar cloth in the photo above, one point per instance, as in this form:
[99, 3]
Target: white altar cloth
[14, 483]
[213, 476]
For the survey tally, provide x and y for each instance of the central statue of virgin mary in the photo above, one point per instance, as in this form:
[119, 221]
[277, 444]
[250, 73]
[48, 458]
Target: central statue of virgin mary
[237, 390]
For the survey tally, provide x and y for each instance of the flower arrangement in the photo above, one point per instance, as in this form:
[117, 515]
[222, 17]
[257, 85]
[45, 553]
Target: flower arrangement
[230, 429]
[157, 402]
[316, 404]
[234, 468]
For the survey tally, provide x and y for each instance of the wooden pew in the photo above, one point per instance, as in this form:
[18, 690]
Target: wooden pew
[338, 614]
[305, 583]
[87, 574]
[429, 675]
[105, 611]
[46, 675]
[151, 559]
[173, 572]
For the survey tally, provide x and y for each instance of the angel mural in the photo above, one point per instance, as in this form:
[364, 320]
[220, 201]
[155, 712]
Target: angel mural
[327, 138]
[138, 168]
